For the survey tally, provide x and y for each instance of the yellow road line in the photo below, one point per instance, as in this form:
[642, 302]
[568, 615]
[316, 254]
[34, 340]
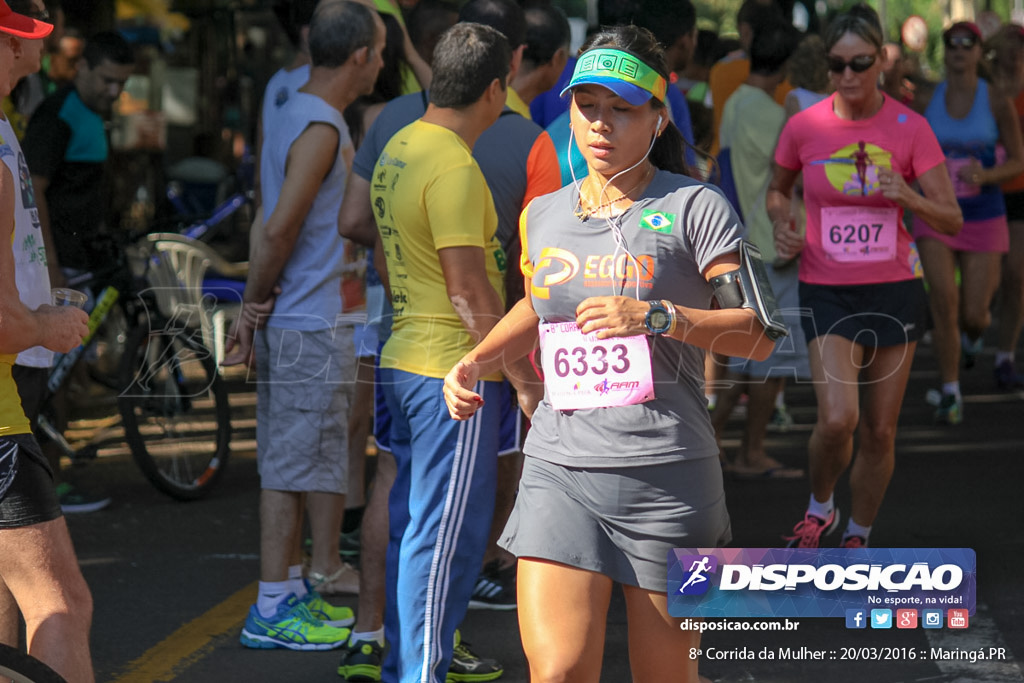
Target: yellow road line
[191, 642]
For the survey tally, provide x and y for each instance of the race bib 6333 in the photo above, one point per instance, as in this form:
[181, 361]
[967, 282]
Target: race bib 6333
[582, 371]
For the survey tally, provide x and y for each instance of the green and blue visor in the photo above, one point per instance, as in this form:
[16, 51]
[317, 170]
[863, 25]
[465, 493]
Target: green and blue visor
[623, 73]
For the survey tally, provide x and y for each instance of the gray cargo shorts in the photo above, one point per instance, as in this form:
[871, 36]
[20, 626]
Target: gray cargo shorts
[305, 384]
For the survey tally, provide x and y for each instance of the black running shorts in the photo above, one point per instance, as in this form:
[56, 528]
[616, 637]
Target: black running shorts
[27, 494]
[884, 314]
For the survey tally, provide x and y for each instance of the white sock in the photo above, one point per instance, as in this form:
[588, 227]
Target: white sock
[854, 529]
[1004, 356]
[272, 594]
[375, 636]
[780, 399]
[822, 510]
[295, 583]
[951, 388]
[712, 399]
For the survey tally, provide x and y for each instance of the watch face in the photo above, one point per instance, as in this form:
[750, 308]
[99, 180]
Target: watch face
[659, 320]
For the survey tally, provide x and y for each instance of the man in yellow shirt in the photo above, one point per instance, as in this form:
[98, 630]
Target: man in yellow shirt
[437, 224]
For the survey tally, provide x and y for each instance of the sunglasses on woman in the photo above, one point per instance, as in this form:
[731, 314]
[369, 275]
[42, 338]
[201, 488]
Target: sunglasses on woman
[964, 42]
[858, 64]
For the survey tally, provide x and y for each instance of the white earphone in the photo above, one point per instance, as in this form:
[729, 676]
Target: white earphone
[657, 126]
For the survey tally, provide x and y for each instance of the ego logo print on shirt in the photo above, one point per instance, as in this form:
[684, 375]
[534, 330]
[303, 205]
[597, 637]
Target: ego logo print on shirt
[553, 257]
[560, 266]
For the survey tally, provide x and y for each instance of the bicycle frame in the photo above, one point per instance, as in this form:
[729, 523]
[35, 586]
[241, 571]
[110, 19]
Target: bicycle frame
[64, 362]
[129, 285]
[62, 368]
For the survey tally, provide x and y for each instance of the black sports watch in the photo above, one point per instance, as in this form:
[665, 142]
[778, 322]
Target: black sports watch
[658, 320]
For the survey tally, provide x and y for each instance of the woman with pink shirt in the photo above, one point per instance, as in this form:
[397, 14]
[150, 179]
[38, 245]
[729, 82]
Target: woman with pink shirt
[860, 274]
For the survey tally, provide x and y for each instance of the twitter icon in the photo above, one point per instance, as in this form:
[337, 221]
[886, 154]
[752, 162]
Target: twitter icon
[881, 618]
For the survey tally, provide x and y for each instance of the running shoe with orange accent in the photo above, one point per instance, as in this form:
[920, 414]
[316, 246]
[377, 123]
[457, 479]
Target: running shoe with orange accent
[808, 532]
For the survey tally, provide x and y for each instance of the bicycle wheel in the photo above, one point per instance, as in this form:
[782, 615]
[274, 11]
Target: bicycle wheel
[24, 668]
[104, 363]
[175, 410]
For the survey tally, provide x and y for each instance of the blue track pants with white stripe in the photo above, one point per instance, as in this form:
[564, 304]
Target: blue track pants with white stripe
[440, 510]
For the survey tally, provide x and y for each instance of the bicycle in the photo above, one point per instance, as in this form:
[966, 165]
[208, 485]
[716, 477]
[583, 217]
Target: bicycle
[172, 401]
[22, 667]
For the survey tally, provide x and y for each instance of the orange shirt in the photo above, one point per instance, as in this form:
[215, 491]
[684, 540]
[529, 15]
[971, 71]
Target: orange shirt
[543, 174]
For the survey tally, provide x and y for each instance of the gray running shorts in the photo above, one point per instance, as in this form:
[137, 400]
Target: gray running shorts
[620, 522]
[305, 381]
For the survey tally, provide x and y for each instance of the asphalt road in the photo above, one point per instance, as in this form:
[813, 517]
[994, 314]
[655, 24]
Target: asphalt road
[172, 581]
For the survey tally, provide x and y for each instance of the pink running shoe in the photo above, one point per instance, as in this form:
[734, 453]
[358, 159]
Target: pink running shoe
[808, 533]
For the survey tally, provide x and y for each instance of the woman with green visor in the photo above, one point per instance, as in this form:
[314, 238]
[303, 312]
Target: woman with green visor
[621, 462]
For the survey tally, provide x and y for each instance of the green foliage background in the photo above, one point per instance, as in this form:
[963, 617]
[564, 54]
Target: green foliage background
[720, 16]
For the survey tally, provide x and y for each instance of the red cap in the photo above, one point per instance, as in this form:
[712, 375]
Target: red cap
[22, 26]
[965, 25]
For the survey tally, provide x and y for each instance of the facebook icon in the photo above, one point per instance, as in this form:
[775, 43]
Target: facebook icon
[856, 618]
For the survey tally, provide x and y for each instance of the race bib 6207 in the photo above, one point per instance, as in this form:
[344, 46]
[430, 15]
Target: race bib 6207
[859, 234]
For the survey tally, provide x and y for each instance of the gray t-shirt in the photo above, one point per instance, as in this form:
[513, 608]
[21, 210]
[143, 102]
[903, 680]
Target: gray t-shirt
[675, 230]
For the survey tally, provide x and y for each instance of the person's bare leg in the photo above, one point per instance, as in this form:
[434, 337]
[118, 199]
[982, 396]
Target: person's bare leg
[939, 263]
[726, 403]
[326, 512]
[9, 618]
[40, 569]
[1011, 291]
[835, 363]
[360, 422]
[885, 382]
[280, 529]
[374, 547]
[979, 278]
[563, 612]
[297, 557]
[751, 457]
[658, 649]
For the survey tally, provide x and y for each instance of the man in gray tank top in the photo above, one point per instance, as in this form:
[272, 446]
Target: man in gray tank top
[304, 356]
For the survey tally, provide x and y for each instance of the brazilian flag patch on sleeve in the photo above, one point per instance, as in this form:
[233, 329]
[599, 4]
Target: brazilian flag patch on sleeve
[658, 221]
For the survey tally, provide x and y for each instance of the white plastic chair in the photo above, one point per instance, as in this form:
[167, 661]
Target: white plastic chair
[177, 267]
